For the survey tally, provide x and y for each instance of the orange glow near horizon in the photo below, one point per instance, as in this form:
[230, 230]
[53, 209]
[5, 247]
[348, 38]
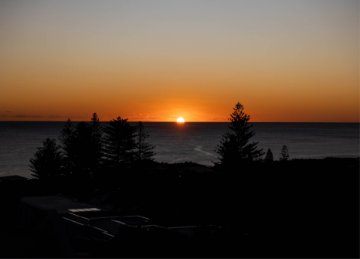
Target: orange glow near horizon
[156, 60]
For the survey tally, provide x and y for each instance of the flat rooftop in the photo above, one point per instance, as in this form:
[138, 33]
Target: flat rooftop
[59, 204]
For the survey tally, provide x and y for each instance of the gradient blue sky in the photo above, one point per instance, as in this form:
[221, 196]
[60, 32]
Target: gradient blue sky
[285, 60]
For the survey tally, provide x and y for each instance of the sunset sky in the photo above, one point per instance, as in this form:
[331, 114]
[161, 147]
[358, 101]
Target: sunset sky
[156, 60]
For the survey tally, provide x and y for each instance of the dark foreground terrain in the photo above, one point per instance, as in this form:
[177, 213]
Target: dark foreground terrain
[297, 208]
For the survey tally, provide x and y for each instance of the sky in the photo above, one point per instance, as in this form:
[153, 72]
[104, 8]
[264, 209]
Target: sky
[156, 60]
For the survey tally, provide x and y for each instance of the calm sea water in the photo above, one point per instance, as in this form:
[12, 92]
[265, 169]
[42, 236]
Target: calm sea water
[191, 142]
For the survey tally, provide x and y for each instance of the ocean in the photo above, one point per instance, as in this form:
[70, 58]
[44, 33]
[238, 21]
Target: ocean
[194, 142]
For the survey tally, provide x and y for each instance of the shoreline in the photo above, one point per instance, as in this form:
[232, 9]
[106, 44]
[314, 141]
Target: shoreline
[211, 166]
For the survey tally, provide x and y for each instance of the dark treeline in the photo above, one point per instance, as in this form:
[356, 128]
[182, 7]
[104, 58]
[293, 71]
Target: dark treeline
[89, 151]
[262, 207]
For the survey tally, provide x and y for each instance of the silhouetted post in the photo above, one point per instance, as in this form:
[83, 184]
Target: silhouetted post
[284, 155]
[235, 147]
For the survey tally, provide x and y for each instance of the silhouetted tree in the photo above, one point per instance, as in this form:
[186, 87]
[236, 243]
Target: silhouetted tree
[144, 150]
[269, 156]
[83, 152]
[82, 146]
[119, 142]
[67, 139]
[96, 153]
[47, 163]
[284, 154]
[235, 147]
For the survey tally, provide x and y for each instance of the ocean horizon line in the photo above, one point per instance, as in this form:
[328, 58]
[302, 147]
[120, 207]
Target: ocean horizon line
[135, 121]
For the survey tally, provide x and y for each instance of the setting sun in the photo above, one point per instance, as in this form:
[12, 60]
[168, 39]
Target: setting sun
[180, 120]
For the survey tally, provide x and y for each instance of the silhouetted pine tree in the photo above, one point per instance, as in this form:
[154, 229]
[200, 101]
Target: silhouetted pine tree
[235, 147]
[47, 163]
[82, 149]
[96, 154]
[67, 139]
[269, 156]
[119, 143]
[284, 154]
[144, 150]
[82, 146]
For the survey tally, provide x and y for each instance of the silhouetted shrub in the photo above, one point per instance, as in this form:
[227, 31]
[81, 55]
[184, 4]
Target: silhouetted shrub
[235, 147]
[47, 163]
